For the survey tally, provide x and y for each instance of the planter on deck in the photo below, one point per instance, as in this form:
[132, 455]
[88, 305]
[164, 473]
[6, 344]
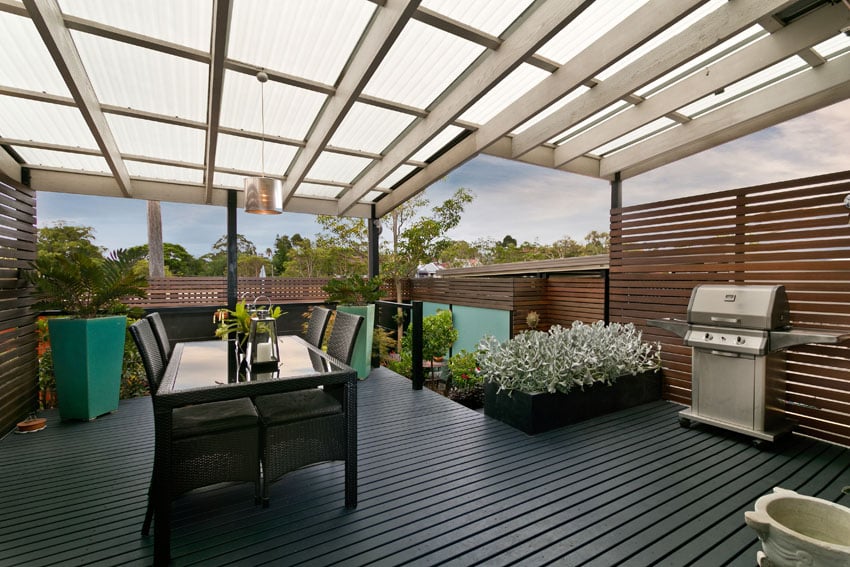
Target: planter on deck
[539, 412]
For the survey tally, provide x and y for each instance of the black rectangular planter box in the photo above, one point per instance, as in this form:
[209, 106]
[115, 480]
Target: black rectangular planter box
[536, 413]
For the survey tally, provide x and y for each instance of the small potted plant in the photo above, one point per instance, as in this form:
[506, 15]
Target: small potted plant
[541, 380]
[466, 383]
[238, 321]
[88, 346]
[357, 295]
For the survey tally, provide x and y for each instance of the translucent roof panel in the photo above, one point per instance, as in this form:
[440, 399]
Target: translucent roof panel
[157, 139]
[711, 57]
[662, 37]
[448, 134]
[397, 175]
[185, 22]
[490, 16]
[235, 152]
[644, 131]
[26, 63]
[596, 20]
[421, 64]
[44, 122]
[64, 160]
[318, 190]
[507, 91]
[290, 111]
[149, 80]
[756, 81]
[834, 47]
[341, 168]
[571, 96]
[369, 128]
[311, 39]
[371, 196]
[159, 171]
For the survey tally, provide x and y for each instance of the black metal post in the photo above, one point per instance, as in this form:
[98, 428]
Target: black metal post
[616, 203]
[232, 278]
[416, 345]
[374, 244]
[616, 191]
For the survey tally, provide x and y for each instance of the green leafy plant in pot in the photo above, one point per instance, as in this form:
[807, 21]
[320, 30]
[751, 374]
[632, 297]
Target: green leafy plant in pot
[88, 345]
[357, 294]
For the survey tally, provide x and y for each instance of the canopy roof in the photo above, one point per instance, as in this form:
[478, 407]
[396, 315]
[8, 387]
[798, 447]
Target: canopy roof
[370, 102]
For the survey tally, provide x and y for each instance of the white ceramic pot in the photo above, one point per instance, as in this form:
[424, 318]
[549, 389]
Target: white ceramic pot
[797, 530]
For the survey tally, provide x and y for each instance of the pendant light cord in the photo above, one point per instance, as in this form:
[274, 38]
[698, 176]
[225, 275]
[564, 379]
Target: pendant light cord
[262, 77]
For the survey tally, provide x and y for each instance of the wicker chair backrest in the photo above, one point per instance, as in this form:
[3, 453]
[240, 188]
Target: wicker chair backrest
[344, 335]
[160, 334]
[143, 335]
[319, 318]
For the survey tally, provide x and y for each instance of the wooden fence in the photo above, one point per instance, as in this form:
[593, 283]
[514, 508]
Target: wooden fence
[793, 233]
[18, 362]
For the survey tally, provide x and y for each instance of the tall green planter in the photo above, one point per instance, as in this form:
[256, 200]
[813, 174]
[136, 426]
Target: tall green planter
[361, 360]
[87, 359]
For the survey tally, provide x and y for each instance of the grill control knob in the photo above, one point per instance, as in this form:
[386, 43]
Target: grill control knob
[708, 336]
[740, 340]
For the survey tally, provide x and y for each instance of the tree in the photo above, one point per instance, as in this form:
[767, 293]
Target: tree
[243, 245]
[283, 246]
[178, 261]
[63, 239]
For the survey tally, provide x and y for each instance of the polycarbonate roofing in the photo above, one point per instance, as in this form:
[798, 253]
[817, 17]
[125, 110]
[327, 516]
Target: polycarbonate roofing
[368, 102]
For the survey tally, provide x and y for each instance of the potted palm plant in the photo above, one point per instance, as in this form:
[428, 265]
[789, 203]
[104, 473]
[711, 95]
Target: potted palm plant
[88, 344]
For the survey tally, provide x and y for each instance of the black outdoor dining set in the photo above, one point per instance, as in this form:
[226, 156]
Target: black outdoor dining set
[214, 423]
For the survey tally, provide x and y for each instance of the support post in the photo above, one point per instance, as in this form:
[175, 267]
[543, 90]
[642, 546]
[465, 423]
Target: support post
[374, 244]
[616, 203]
[616, 191]
[416, 345]
[232, 250]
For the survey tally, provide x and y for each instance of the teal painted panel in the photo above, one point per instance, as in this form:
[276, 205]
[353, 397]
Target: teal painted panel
[361, 358]
[429, 308]
[473, 323]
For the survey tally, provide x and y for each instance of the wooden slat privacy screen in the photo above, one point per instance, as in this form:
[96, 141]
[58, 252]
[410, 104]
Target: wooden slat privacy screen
[793, 233]
[18, 381]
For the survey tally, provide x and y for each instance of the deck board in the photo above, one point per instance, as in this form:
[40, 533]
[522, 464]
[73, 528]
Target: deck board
[439, 484]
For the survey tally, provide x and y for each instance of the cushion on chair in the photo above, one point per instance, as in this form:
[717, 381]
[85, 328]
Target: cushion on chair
[276, 409]
[213, 417]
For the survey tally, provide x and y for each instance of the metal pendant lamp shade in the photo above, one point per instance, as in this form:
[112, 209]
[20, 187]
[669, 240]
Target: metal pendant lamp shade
[263, 195]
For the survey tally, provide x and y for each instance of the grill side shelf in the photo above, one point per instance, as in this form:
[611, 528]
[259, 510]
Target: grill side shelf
[676, 326]
[784, 339]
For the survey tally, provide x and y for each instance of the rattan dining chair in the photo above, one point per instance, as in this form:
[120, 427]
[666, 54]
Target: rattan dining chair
[305, 427]
[161, 336]
[210, 442]
[319, 318]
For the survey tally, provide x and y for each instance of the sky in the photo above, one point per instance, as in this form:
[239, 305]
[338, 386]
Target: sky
[530, 203]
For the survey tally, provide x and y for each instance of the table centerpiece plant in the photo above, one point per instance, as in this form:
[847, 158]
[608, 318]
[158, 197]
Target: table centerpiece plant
[582, 361]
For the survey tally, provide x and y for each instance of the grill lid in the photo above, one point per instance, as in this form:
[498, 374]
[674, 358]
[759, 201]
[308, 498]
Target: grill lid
[762, 307]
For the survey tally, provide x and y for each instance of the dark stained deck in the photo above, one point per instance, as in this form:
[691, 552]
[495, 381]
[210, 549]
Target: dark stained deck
[439, 484]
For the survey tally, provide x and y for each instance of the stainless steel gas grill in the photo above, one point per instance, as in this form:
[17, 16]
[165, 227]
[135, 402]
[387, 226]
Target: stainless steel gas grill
[737, 334]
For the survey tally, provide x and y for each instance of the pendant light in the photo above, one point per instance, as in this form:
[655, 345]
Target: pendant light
[263, 195]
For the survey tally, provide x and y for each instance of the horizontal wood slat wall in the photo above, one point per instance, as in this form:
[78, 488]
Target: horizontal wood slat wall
[18, 367]
[558, 299]
[793, 233]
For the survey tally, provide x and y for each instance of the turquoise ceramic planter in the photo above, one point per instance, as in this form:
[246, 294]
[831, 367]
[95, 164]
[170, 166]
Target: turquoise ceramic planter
[361, 360]
[87, 359]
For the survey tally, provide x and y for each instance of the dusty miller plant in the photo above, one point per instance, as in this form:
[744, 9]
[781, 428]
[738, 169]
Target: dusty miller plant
[563, 359]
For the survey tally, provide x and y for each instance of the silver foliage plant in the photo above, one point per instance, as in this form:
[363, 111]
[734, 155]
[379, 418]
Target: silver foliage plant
[563, 359]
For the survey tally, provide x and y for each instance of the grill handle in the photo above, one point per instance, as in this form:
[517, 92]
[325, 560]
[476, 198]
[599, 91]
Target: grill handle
[732, 320]
[725, 353]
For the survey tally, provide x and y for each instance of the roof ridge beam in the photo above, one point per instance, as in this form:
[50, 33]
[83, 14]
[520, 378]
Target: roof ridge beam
[720, 24]
[800, 94]
[539, 27]
[47, 17]
[784, 43]
[218, 50]
[382, 32]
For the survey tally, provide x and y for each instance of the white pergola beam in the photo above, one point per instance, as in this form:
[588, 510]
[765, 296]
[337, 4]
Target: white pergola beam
[218, 49]
[383, 31]
[47, 17]
[9, 167]
[805, 92]
[721, 24]
[540, 26]
[814, 28]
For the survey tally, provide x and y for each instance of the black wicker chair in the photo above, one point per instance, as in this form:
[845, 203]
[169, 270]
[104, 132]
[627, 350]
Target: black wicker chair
[161, 336]
[308, 426]
[210, 442]
[319, 318]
